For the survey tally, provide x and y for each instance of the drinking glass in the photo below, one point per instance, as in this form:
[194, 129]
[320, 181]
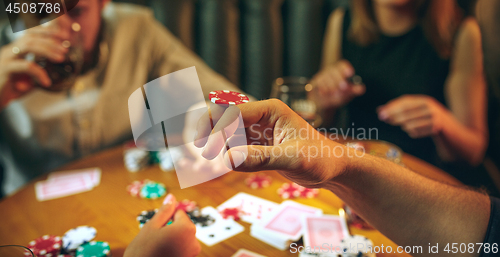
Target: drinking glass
[15, 251]
[293, 91]
[63, 75]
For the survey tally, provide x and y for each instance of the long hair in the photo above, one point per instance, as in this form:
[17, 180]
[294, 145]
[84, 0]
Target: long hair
[439, 20]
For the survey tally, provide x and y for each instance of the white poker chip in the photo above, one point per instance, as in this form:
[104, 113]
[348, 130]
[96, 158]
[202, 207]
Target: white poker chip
[357, 245]
[75, 237]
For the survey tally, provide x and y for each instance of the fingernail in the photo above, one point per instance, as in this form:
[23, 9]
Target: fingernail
[168, 199]
[382, 115]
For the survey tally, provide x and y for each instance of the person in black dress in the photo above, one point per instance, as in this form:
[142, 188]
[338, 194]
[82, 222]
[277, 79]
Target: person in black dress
[423, 86]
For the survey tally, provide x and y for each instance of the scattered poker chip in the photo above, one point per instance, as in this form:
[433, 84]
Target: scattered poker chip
[360, 244]
[135, 187]
[289, 191]
[94, 249]
[309, 192]
[232, 213]
[145, 216]
[256, 181]
[46, 245]
[186, 205]
[78, 236]
[227, 97]
[153, 190]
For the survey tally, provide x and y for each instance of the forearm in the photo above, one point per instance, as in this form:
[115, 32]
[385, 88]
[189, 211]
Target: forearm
[410, 209]
[458, 142]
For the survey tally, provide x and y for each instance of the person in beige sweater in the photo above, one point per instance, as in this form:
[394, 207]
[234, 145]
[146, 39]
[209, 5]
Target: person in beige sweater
[124, 48]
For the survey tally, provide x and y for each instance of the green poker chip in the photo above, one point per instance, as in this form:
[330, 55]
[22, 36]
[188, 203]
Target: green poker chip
[153, 190]
[93, 249]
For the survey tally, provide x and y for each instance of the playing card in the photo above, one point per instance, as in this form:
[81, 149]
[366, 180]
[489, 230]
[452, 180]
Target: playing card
[51, 189]
[286, 222]
[253, 208]
[218, 231]
[246, 253]
[272, 241]
[94, 174]
[326, 230]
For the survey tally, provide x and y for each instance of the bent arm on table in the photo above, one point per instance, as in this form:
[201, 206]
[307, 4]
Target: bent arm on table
[408, 208]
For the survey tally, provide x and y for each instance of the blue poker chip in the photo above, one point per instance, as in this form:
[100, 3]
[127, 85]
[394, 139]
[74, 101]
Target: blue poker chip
[78, 236]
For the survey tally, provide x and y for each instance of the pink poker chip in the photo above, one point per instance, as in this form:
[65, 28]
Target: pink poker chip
[186, 205]
[227, 97]
[135, 187]
[256, 181]
[289, 191]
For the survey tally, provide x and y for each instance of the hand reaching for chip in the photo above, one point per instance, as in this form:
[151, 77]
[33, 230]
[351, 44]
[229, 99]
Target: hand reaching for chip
[277, 139]
[155, 239]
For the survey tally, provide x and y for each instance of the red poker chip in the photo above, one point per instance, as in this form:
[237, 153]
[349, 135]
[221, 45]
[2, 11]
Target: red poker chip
[256, 181]
[232, 213]
[227, 97]
[135, 187]
[47, 245]
[309, 192]
[289, 191]
[186, 205]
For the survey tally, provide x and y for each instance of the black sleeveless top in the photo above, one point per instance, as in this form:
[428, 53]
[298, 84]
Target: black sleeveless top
[392, 67]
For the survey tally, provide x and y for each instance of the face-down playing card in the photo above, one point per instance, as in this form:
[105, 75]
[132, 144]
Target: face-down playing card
[324, 233]
[286, 222]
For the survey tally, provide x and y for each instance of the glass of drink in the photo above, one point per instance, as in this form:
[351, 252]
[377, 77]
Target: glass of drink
[293, 91]
[63, 74]
[15, 251]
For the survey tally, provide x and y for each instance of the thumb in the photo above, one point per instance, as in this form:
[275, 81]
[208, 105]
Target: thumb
[257, 158]
[165, 213]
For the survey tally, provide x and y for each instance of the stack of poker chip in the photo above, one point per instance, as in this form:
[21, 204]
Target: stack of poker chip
[165, 160]
[152, 190]
[289, 191]
[357, 246]
[76, 237]
[256, 181]
[145, 216]
[136, 159]
[45, 246]
[146, 189]
[75, 242]
[94, 249]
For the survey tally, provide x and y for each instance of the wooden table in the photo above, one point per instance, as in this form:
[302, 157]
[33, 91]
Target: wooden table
[111, 210]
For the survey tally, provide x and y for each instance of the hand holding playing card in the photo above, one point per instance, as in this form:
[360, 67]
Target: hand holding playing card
[278, 139]
[155, 239]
